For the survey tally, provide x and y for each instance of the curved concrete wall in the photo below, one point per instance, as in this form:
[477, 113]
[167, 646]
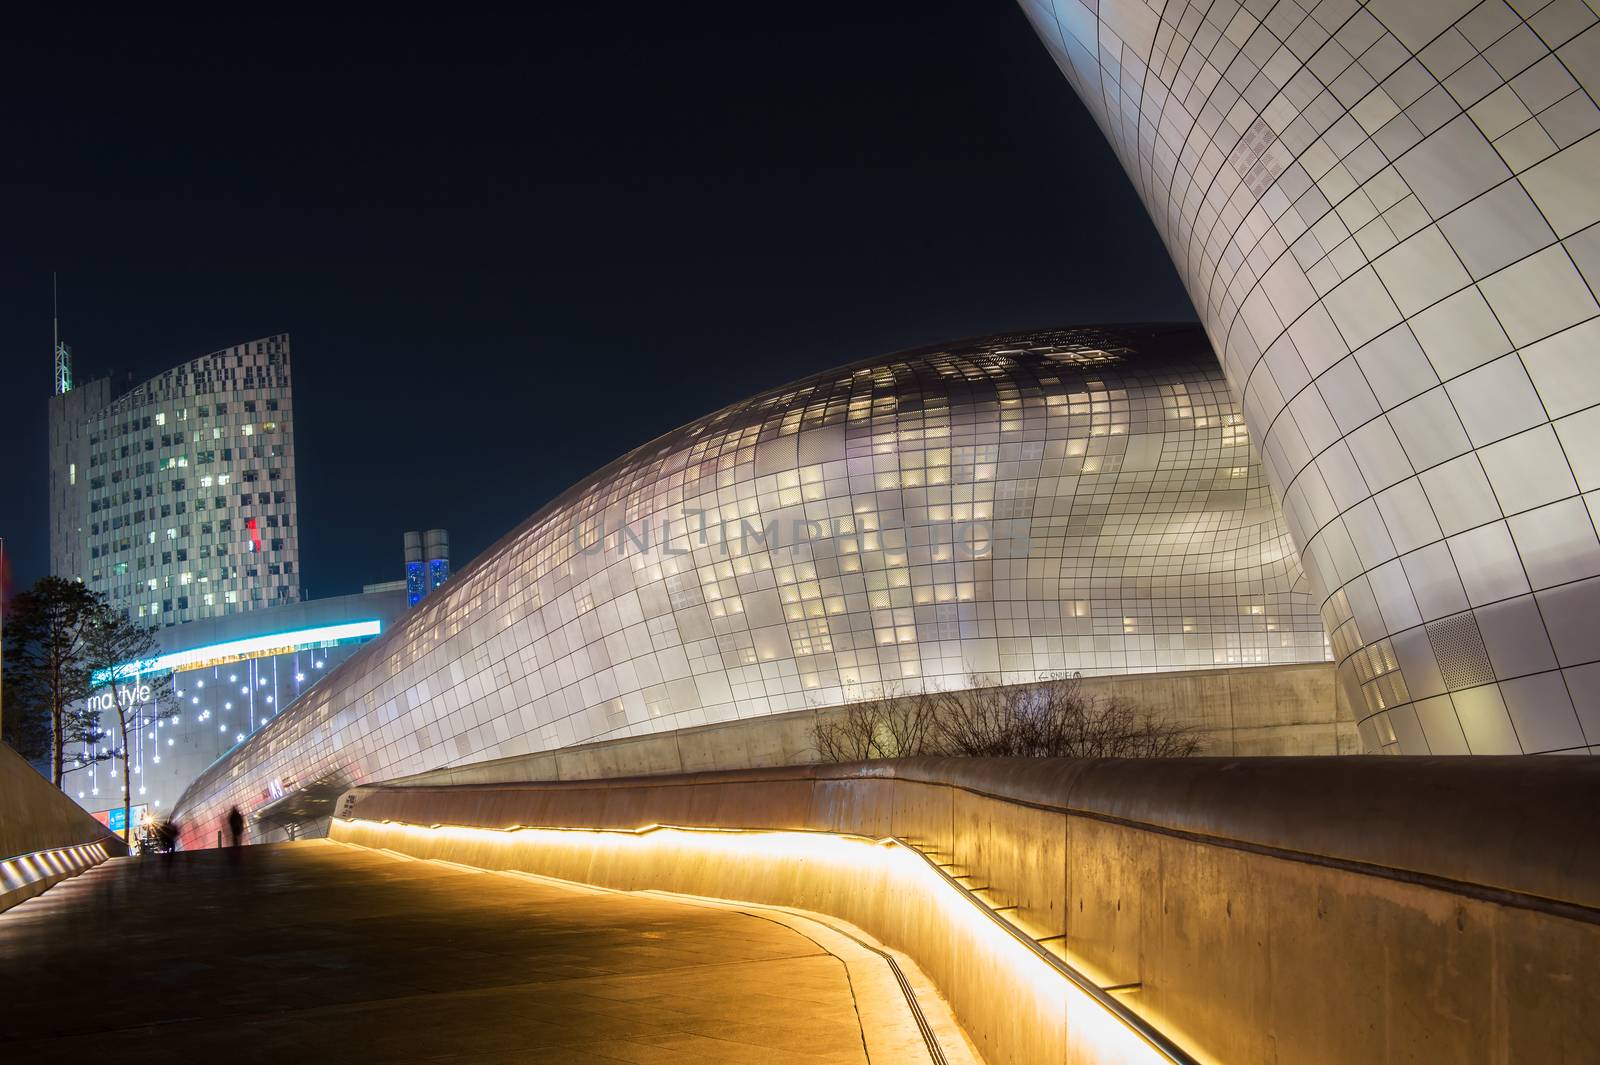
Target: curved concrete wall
[1066, 500]
[1386, 214]
[1269, 910]
[44, 836]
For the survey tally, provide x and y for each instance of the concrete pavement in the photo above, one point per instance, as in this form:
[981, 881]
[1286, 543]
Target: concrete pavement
[317, 951]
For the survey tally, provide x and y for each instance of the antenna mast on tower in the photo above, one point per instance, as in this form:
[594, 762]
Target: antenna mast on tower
[63, 354]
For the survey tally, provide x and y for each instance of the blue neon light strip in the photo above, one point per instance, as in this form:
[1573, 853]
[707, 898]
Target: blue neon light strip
[248, 647]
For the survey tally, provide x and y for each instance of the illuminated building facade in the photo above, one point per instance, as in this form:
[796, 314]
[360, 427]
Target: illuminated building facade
[230, 676]
[1386, 215]
[176, 498]
[973, 513]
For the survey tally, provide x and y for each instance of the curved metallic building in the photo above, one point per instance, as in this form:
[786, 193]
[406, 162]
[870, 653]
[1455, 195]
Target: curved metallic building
[1385, 214]
[1082, 499]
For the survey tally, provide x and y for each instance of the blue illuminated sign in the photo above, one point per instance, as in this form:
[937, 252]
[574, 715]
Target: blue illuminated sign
[117, 820]
[246, 648]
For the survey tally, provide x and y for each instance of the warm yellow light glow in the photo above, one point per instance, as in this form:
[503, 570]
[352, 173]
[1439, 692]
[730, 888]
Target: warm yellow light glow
[847, 876]
[24, 869]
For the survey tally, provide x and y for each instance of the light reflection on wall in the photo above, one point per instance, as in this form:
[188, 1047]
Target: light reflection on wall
[883, 886]
[21, 875]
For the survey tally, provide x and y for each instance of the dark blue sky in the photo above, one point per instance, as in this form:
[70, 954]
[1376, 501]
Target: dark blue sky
[507, 251]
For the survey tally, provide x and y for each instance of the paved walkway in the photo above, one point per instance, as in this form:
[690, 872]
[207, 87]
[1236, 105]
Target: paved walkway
[319, 952]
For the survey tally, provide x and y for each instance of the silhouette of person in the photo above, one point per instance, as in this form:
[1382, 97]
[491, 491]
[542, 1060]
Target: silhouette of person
[235, 829]
[167, 843]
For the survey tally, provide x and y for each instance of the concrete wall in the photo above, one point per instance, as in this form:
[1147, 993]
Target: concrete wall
[1251, 710]
[1269, 910]
[44, 836]
[1246, 710]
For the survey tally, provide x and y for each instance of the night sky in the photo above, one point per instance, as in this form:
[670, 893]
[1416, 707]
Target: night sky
[508, 251]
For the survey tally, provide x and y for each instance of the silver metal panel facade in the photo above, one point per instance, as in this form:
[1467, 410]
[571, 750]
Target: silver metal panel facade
[1386, 216]
[971, 513]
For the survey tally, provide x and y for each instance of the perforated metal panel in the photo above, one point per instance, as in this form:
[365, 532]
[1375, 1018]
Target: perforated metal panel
[1463, 659]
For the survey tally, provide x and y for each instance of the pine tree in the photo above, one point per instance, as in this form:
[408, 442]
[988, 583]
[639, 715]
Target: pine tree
[47, 673]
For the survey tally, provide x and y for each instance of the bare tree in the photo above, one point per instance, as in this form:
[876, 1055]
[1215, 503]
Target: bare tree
[1051, 719]
[120, 655]
[893, 725]
[1125, 730]
[1056, 719]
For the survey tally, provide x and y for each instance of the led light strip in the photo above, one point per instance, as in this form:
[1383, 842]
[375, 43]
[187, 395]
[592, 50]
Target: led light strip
[21, 870]
[249, 647]
[788, 845]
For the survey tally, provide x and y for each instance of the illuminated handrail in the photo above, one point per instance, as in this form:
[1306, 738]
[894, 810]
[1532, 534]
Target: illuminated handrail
[1131, 1020]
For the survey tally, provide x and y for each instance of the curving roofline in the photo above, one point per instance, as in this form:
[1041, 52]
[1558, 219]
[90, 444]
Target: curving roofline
[1162, 338]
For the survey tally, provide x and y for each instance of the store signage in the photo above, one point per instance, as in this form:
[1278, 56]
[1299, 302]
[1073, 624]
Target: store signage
[117, 820]
[125, 696]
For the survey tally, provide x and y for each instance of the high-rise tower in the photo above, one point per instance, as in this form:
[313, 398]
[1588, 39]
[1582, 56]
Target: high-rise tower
[176, 496]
